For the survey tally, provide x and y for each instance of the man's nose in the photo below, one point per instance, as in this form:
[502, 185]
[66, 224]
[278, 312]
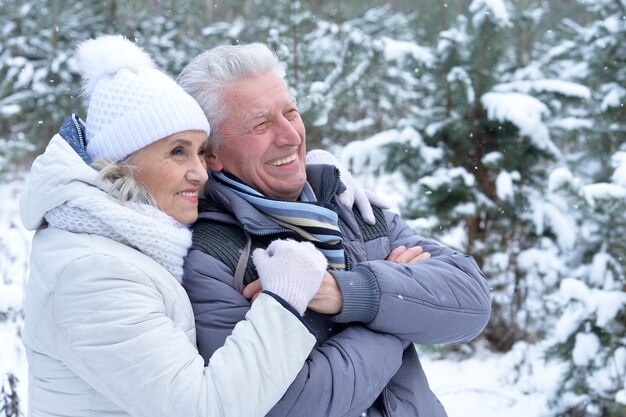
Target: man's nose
[287, 134]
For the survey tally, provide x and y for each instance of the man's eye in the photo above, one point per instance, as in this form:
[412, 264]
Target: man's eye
[261, 126]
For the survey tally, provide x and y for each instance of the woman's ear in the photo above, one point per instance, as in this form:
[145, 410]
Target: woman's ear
[213, 162]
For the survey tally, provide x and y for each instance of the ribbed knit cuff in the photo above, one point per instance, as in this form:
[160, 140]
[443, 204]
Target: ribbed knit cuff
[361, 295]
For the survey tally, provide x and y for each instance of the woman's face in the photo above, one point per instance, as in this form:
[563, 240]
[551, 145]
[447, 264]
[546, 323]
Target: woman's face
[174, 171]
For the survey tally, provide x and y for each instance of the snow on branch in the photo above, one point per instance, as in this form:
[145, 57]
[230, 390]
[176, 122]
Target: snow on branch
[493, 10]
[523, 111]
[396, 50]
[564, 88]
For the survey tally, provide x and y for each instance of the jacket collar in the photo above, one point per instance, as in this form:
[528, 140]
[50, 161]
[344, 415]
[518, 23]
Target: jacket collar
[222, 205]
[73, 132]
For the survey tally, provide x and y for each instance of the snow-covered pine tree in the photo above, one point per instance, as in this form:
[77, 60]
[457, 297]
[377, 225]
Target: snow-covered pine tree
[485, 159]
[9, 400]
[350, 76]
[361, 77]
[38, 41]
[14, 253]
[590, 336]
[171, 32]
[482, 162]
[40, 83]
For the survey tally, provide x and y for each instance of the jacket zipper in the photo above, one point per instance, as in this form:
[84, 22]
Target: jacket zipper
[79, 131]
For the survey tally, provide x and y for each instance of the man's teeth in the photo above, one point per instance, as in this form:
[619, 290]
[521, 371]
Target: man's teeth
[188, 193]
[284, 161]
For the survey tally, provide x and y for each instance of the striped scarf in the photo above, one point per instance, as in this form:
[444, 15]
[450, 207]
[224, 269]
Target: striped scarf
[308, 218]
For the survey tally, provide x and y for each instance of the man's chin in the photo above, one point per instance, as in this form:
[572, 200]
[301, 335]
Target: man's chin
[288, 194]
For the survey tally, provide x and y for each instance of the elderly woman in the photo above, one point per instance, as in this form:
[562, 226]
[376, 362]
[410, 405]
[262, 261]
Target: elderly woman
[109, 329]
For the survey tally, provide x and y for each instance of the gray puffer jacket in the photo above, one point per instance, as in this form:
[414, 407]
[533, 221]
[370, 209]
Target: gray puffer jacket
[359, 365]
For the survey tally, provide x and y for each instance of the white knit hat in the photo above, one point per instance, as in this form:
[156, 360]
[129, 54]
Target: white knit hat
[131, 103]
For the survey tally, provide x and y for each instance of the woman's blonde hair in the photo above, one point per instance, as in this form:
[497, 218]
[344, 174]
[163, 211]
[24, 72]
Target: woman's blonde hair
[124, 186]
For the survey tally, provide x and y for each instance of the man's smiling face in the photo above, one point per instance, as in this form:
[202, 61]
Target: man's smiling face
[263, 140]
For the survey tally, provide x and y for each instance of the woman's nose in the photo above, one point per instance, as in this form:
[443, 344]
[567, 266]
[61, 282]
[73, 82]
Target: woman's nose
[197, 171]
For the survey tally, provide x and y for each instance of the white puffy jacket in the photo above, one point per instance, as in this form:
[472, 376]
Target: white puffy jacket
[109, 332]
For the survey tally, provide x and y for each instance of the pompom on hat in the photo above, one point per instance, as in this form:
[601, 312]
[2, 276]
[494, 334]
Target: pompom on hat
[131, 103]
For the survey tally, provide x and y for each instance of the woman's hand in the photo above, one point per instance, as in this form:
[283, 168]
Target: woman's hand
[292, 270]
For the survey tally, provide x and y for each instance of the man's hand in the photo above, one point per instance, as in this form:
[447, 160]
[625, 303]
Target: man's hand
[354, 193]
[402, 255]
[252, 290]
[328, 299]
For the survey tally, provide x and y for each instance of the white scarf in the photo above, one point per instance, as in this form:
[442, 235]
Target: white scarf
[140, 226]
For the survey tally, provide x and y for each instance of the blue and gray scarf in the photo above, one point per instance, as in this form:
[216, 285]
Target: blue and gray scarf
[309, 219]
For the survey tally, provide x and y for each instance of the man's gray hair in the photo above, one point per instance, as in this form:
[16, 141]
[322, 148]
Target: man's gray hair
[210, 73]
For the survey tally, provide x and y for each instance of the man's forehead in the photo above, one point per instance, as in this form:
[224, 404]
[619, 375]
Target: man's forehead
[260, 113]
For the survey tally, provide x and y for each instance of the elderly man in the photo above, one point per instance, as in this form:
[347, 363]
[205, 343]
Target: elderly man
[376, 300]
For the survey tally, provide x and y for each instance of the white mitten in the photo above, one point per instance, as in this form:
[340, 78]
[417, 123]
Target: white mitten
[292, 270]
[354, 194]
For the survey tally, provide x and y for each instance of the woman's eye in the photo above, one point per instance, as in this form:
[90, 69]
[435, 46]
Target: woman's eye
[177, 151]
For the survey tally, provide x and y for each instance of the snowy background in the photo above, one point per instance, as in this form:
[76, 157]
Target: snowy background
[495, 126]
[15, 247]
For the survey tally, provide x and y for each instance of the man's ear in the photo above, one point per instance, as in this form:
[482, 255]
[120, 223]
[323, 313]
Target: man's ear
[213, 162]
